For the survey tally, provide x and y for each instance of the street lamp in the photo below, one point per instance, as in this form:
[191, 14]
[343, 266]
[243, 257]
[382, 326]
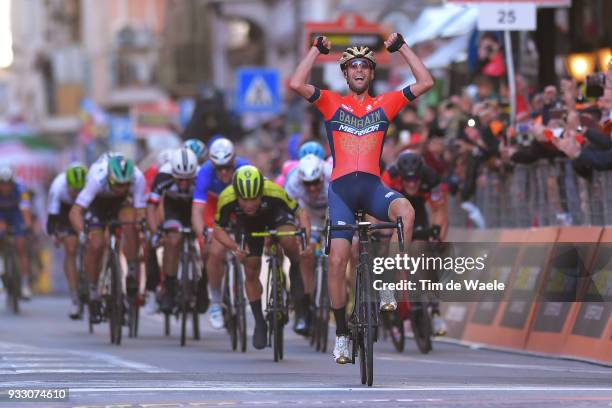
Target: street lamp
[580, 65]
[603, 56]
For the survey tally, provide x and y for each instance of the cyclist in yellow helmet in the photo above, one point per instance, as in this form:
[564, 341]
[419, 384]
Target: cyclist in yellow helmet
[63, 192]
[253, 204]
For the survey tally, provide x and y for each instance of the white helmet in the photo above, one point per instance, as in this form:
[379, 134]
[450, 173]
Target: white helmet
[310, 168]
[6, 173]
[184, 163]
[164, 156]
[221, 152]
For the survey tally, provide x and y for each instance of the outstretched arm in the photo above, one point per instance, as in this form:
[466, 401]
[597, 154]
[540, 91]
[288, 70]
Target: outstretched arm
[424, 81]
[298, 79]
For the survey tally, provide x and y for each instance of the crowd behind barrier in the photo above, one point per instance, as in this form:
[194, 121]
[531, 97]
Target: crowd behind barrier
[542, 194]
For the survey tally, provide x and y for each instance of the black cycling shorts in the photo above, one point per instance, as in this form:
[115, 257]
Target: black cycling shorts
[177, 210]
[105, 209]
[272, 220]
[63, 225]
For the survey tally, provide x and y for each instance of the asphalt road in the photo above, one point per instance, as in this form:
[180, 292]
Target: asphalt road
[42, 348]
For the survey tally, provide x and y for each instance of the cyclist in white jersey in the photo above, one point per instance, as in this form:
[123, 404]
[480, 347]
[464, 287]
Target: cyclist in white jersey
[63, 192]
[115, 189]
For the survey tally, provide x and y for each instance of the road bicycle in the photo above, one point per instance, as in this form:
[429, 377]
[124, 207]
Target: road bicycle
[188, 275]
[320, 305]
[363, 324]
[417, 309]
[110, 282]
[234, 302]
[277, 306]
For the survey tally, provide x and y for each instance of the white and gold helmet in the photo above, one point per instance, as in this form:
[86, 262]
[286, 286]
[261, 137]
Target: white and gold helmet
[357, 52]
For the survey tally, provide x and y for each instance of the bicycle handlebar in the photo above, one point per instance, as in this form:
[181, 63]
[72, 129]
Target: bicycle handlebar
[368, 226]
[274, 233]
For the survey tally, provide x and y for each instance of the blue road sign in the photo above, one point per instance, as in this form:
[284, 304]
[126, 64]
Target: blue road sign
[258, 90]
[121, 130]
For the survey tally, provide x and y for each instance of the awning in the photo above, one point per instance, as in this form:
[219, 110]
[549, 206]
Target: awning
[446, 21]
[453, 51]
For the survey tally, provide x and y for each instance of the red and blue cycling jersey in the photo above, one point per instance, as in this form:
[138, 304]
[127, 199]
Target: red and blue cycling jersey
[208, 187]
[355, 129]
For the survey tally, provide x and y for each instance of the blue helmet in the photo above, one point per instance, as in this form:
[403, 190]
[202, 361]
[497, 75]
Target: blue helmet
[312, 148]
[198, 147]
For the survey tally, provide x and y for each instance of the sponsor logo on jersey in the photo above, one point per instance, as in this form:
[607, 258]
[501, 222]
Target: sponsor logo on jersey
[353, 121]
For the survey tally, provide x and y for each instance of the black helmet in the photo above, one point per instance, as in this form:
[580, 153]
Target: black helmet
[410, 164]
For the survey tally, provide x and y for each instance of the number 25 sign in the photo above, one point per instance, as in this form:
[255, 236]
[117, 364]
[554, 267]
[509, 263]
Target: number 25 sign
[508, 16]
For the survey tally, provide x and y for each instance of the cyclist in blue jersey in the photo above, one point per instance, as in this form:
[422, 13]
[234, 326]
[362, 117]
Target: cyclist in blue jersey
[213, 177]
[15, 215]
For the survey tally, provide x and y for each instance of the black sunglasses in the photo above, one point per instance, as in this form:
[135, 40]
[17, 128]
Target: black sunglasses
[311, 183]
[227, 167]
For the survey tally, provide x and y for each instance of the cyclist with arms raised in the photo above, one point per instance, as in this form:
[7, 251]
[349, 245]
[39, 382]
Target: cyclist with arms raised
[255, 204]
[63, 192]
[356, 125]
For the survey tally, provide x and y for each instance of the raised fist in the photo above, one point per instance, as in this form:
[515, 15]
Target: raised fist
[394, 42]
[323, 44]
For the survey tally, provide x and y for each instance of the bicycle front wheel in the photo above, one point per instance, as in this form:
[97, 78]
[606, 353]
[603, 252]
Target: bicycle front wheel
[240, 309]
[116, 299]
[370, 319]
[185, 296]
[13, 278]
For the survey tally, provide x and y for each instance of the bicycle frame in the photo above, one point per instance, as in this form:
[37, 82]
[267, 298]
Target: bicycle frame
[188, 274]
[364, 319]
[276, 304]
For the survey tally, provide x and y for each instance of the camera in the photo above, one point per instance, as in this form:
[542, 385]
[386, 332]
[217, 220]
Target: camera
[595, 84]
[557, 113]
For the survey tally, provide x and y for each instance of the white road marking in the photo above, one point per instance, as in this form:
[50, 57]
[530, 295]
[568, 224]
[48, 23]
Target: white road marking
[24, 359]
[223, 388]
[493, 365]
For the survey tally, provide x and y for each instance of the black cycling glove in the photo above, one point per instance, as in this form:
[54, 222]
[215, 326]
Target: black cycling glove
[319, 44]
[397, 44]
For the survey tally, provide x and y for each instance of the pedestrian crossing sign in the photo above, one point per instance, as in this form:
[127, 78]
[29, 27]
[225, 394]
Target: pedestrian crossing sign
[258, 90]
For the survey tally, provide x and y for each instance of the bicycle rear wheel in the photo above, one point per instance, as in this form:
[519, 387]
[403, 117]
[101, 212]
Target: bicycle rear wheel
[421, 327]
[324, 313]
[166, 324]
[134, 311]
[394, 325]
[195, 317]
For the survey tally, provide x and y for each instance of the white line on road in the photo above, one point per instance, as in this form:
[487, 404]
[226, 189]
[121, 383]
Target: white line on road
[24, 359]
[508, 388]
[493, 365]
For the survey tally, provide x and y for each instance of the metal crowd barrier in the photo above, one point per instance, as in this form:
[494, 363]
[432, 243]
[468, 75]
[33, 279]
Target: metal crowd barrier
[545, 193]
